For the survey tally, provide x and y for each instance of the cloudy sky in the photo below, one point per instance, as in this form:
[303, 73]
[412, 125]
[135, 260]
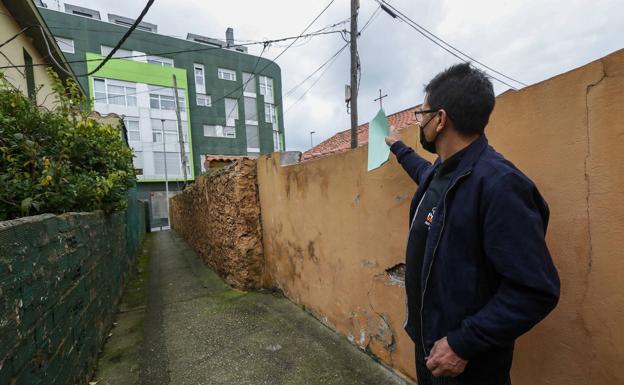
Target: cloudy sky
[529, 40]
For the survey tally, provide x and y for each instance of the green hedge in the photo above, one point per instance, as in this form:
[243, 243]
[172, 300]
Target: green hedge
[59, 161]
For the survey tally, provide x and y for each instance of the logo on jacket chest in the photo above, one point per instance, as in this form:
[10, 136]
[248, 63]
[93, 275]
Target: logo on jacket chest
[429, 218]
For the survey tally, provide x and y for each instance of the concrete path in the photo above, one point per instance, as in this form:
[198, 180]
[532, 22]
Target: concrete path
[198, 331]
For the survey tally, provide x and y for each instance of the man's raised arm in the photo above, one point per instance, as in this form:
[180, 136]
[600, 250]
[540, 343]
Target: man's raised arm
[412, 163]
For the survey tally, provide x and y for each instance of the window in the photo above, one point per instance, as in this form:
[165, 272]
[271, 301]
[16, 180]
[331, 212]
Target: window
[163, 98]
[134, 132]
[269, 113]
[170, 129]
[266, 88]
[231, 112]
[250, 84]
[226, 74]
[66, 45]
[219, 131]
[204, 100]
[99, 87]
[253, 140]
[276, 140]
[200, 80]
[30, 75]
[161, 61]
[251, 110]
[121, 53]
[138, 162]
[114, 92]
[172, 161]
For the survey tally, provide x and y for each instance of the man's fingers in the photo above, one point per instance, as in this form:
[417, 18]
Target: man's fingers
[431, 363]
[438, 372]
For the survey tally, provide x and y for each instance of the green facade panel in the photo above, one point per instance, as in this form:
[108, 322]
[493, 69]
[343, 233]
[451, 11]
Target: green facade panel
[89, 35]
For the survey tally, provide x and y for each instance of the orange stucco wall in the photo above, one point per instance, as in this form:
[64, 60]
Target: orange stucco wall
[331, 230]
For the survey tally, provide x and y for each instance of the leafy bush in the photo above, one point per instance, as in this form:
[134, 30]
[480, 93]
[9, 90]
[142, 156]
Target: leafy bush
[59, 161]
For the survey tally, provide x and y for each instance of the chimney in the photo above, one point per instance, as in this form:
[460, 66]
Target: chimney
[229, 36]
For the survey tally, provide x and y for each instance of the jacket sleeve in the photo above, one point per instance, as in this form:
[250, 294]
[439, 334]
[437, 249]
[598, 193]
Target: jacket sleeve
[412, 163]
[514, 227]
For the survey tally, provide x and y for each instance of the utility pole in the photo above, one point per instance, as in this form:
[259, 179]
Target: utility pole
[180, 135]
[162, 125]
[354, 72]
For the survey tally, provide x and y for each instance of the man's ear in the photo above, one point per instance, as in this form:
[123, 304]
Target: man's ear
[442, 120]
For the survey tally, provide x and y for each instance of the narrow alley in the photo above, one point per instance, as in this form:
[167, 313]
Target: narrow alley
[197, 330]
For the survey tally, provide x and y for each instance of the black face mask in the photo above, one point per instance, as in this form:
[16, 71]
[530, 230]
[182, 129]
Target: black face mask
[428, 146]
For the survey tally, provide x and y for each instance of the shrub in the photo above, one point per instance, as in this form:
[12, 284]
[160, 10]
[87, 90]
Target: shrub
[61, 160]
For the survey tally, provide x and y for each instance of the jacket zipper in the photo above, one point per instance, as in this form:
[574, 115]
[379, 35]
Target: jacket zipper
[422, 300]
[408, 234]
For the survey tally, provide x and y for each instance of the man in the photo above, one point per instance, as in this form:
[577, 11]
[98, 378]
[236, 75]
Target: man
[478, 272]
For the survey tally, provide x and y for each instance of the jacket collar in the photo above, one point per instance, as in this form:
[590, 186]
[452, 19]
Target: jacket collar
[472, 154]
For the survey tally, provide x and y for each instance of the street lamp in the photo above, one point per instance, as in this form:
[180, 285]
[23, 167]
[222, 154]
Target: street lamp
[311, 143]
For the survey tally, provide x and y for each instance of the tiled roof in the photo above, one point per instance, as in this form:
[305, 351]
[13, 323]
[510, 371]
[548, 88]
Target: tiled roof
[341, 142]
[225, 157]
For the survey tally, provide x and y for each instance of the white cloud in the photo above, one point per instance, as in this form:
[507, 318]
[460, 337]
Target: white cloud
[529, 40]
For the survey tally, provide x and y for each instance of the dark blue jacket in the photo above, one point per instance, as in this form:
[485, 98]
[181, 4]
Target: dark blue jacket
[487, 274]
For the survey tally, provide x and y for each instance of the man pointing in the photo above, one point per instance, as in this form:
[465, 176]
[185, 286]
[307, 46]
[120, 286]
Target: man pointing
[478, 272]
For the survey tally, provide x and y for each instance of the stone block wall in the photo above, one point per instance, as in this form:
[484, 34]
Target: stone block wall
[61, 278]
[219, 216]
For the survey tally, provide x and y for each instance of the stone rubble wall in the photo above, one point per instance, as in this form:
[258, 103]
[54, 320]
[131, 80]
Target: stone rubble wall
[219, 216]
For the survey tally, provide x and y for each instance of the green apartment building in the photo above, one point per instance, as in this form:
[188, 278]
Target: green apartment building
[230, 101]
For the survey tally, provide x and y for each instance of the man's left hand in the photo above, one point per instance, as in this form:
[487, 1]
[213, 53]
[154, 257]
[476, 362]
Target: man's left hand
[443, 362]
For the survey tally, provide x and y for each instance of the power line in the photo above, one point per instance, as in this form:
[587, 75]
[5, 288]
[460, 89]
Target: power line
[331, 61]
[123, 38]
[370, 19]
[227, 116]
[180, 51]
[392, 11]
[289, 92]
[281, 53]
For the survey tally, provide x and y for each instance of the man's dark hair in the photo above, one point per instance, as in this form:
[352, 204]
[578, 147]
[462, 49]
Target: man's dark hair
[466, 94]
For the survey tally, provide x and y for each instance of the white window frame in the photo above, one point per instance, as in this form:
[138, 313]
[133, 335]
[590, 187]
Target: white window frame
[200, 84]
[231, 114]
[267, 89]
[174, 166]
[257, 128]
[138, 160]
[252, 82]
[203, 100]
[253, 114]
[159, 60]
[159, 96]
[226, 74]
[120, 54]
[276, 140]
[220, 131]
[129, 92]
[138, 128]
[171, 131]
[65, 44]
[270, 115]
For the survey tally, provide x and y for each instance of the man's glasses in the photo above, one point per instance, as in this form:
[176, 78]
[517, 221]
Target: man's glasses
[420, 114]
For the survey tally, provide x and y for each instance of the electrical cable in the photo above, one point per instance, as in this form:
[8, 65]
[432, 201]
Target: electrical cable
[333, 59]
[440, 42]
[181, 51]
[289, 92]
[280, 54]
[123, 38]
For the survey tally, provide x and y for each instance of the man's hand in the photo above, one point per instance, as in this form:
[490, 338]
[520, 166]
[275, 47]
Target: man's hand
[443, 362]
[393, 136]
